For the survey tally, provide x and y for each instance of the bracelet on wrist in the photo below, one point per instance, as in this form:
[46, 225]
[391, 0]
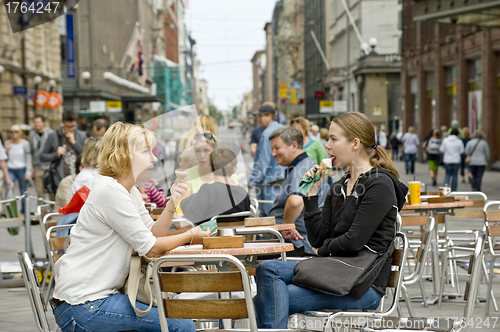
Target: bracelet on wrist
[169, 210]
[192, 237]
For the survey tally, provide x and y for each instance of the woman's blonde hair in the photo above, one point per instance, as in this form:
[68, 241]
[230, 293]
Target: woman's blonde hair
[411, 130]
[203, 123]
[465, 132]
[90, 154]
[119, 145]
[358, 125]
[303, 123]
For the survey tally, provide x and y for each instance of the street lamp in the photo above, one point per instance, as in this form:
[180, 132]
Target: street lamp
[52, 84]
[2, 69]
[37, 79]
[86, 76]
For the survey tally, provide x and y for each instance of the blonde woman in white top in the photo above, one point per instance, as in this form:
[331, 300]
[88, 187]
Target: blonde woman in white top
[112, 224]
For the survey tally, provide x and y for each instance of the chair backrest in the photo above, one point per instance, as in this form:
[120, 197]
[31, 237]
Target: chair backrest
[423, 249]
[33, 287]
[475, 211]
[57, 246]
[202, 282]
[492, 224]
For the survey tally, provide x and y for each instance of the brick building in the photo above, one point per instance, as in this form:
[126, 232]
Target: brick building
[450, 71]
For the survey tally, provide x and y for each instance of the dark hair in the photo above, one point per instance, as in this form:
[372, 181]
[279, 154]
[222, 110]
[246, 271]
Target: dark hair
[289, 135]
[100, 123]
[69, 116]
[223, 161]
[39, 116]
[454, 131]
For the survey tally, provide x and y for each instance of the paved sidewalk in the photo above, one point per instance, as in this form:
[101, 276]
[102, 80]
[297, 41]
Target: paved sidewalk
[16, 314]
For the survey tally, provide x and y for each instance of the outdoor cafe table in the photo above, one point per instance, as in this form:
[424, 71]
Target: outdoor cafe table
[435, 209]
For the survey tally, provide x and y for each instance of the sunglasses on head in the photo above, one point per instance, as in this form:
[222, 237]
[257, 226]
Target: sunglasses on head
[207, 135]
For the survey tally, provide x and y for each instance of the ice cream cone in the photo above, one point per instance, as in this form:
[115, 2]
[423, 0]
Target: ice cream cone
[326, 164]
[180, 174]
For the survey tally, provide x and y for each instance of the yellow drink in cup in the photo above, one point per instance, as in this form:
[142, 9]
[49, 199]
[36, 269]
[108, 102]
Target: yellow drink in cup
[414, 192]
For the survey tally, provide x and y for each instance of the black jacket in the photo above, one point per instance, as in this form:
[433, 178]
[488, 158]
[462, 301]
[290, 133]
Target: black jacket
[367, 217]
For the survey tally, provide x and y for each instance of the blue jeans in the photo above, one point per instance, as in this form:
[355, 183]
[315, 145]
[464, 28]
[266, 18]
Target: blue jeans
[277, 297]
[452, 172]
[395, 154]
[267, 193]
[477, 177]
[410, 162]
[114, 313]
[19, 175]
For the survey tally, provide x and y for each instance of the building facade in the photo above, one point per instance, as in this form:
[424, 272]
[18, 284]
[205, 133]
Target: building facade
[450, 72]
[29, 61]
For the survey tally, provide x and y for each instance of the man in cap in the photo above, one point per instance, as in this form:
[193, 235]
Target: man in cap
[267, 175]
[454, 124]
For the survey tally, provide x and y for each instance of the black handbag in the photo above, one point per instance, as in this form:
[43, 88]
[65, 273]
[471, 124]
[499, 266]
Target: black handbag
[342, 275]
[49, 182]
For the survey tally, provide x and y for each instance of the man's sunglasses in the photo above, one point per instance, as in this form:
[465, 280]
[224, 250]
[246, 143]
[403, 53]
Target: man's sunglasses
[207, 135]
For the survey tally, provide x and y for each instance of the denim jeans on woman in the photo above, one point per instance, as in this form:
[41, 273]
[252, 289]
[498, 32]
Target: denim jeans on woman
[114, 313]
[277, 297]
[19, 175]
[451, 172]
[410, 162]
[477, 177]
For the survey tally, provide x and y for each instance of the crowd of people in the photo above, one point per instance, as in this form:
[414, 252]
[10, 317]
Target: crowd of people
[337, 216]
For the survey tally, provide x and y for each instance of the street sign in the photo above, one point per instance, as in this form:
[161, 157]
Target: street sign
[283, 85]
[20, 90]
[114, 106]
[293, 93]
[296, 85]
[339, 106]
[41, 98]
[97, 106]
[54, 100]
[70, 47]
[326, 106]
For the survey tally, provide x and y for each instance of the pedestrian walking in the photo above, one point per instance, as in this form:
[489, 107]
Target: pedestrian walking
[411, 143]
[395, 143]
[434, 155]
[37, 139]
[20, 162]
[463, 167]
[62, 147]
[313, 148]
[452, 149]
[479, 152]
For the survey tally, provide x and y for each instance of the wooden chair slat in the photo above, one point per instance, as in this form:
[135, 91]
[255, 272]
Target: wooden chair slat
[414, 220]
[476, 203]
[57, 243]
[493, 230]
[222, 224]
[179, 282]
[397, 257]
[50, 224]
[56, 257]
[420, 254]
[471, 263]
[417, 323]
[157, 211]
[206, 309]
[467, 214]
[423, 236]
[393, 280]
[493, 215]
[440, 219]
[466, 292]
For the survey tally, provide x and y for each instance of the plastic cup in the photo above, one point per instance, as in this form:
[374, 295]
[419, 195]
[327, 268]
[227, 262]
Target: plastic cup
[414, 192]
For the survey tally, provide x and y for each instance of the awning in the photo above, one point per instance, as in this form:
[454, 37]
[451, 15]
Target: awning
[473, 12]
[142, 99]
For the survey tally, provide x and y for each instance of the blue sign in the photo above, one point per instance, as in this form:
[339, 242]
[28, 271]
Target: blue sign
[296, 85]
[70, 47]
[20, 90]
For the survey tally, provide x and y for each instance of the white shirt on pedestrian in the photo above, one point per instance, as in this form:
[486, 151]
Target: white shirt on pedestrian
[16, 156]
[111, 225]
[411, 143]
[452, 148]
[84, 178]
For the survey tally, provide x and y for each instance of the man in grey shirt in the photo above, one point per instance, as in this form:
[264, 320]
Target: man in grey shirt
[287, 145]
[37, 140]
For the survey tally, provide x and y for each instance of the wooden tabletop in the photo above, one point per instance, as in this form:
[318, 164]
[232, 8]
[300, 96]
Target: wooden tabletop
[438, 206]
[249, 249]
[279, 227]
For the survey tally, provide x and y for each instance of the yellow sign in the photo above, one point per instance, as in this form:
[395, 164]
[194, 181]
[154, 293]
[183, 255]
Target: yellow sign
[326, 103]
[114, 104]
[294, 96]
[283, 85]
[283, 93]
[377, 111]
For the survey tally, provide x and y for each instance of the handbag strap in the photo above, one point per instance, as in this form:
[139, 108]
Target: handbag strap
[134, 278]
[475, 146]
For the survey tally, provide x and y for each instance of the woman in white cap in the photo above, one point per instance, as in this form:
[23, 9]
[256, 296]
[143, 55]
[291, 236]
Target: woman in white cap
[19, 163]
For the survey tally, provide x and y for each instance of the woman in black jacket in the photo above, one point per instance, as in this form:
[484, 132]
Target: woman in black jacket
[360, 211]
